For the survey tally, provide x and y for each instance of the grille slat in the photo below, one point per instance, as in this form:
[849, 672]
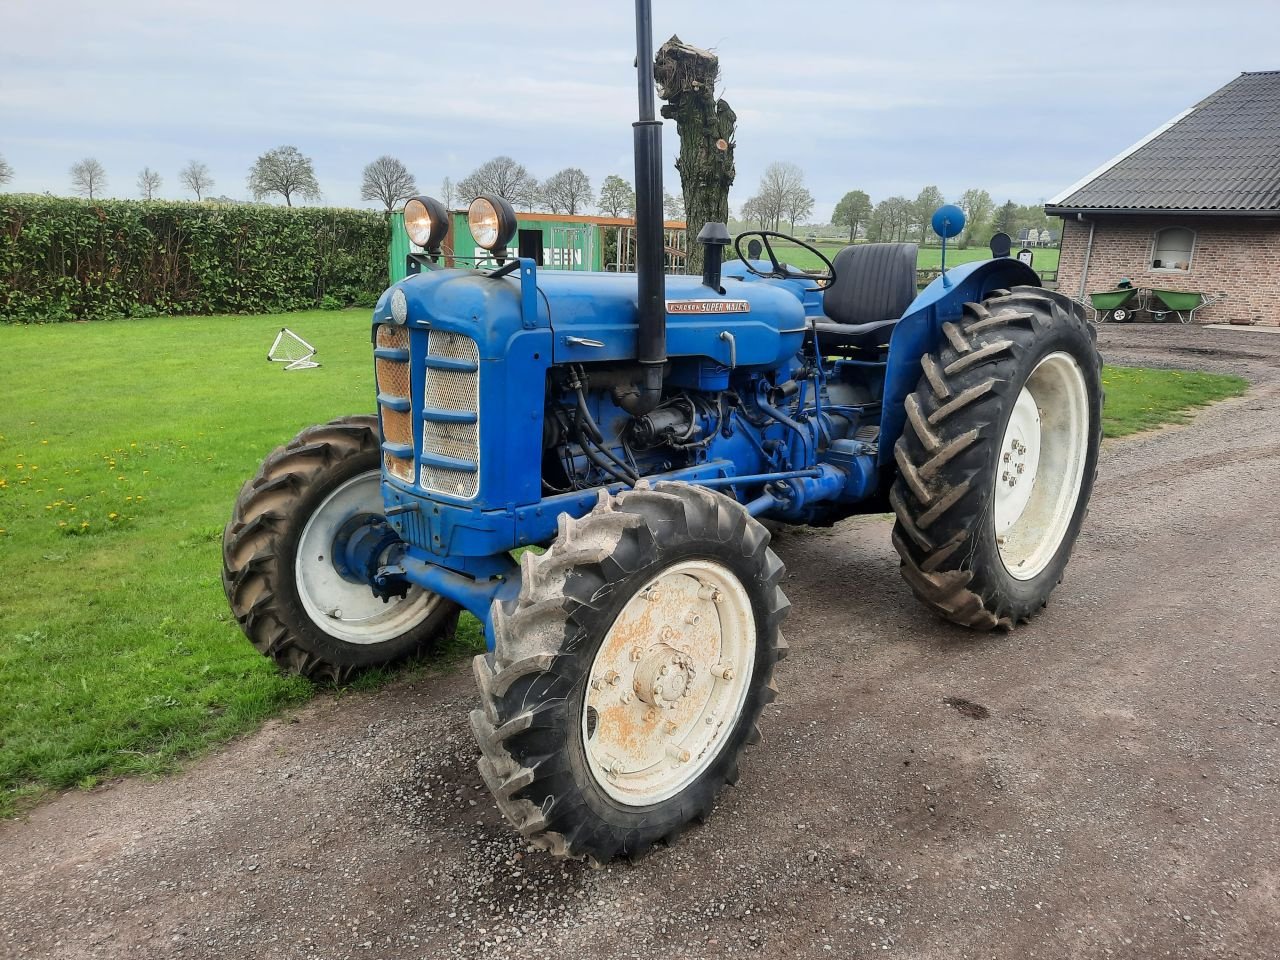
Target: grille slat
[452, 390]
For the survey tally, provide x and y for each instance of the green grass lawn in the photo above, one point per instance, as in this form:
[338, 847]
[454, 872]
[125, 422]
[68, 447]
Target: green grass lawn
[1141, 399]
[122, 447]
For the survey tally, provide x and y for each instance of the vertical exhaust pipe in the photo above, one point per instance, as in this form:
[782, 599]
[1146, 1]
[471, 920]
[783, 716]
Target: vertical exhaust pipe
[651, 280]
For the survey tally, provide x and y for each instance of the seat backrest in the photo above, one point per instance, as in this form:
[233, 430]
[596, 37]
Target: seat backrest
[874, 281]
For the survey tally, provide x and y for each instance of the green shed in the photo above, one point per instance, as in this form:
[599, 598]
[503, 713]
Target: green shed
[555, 241]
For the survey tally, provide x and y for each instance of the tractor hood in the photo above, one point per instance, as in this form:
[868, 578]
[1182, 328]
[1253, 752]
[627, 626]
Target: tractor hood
[594, 317]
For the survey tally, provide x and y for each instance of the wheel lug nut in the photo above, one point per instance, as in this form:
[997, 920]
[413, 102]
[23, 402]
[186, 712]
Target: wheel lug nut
[693, 619]
[678, 754]
[626, 696]
[723, 670]
[668, 633]
[636, 654]
[670, 728]
[707, 592]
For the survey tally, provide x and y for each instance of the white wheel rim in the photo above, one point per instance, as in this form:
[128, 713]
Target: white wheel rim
[649, 734]
[345, 610]
[1040, 469]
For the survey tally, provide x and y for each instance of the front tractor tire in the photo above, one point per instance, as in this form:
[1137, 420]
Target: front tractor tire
[630, 672]
[278, 568]
[998, 457]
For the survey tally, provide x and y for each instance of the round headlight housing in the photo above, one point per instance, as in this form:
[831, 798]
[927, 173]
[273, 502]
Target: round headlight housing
[492, 221]
[426, 221]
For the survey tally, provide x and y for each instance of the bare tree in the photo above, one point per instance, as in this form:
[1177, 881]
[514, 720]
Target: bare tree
[672, 206]
[88, 178]
[567, 191]
[798, 205]
[148, 183]
[753, 212]
[388, 181]
[617, 199]
[195, 177]
[447, 193]
[285, 171]
[6, 171]
[502, 176]
[780, 192]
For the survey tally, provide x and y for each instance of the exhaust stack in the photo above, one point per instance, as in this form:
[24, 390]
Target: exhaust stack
[651, 334]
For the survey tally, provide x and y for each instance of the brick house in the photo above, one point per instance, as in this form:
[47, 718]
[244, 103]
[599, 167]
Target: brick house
[1194, 206]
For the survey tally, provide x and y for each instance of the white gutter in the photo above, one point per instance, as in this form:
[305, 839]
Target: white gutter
[1089, 178]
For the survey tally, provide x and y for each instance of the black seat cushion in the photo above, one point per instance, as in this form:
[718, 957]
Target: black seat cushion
[875, 283]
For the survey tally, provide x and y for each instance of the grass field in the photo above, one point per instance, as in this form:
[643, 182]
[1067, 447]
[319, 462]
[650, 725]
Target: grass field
[122, 446]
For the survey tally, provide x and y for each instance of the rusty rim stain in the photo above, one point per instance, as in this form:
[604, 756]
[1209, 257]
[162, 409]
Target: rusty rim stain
[668, 683]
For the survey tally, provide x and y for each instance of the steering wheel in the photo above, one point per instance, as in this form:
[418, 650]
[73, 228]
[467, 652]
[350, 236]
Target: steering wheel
[784, 271]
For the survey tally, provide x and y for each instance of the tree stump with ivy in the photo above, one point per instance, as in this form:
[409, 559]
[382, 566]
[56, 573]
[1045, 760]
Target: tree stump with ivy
[686, 77]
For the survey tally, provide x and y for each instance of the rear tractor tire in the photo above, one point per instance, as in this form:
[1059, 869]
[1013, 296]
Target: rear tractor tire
[278, 568]
[998, 457]
[629, 673]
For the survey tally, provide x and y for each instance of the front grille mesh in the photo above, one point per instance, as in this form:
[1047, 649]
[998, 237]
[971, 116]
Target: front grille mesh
[393, 377]
[394, 381]
[455, 391]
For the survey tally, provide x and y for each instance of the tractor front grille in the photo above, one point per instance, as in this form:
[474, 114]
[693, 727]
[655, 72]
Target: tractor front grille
[394, 384]
[450, 416]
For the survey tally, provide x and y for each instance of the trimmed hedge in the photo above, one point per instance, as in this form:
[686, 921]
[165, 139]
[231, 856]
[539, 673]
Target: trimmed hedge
[64, 259]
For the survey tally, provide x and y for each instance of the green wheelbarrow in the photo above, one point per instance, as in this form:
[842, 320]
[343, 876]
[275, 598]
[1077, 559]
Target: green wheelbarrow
[1181, 304]
[1117, 305]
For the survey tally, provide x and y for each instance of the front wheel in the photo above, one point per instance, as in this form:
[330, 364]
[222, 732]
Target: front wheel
[997, 461]
[284, 577]
[630, 672]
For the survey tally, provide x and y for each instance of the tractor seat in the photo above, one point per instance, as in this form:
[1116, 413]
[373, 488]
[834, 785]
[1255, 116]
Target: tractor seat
[875, 283]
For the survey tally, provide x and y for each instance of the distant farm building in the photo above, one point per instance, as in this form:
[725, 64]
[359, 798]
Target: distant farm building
[1192, 208]
[554, 241]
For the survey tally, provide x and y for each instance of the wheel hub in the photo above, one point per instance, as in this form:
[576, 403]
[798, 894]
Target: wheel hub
[664, 676]
[668, 683]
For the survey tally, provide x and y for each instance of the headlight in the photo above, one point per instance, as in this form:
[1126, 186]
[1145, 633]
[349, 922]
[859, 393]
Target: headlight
[492, 221]
[426, 221]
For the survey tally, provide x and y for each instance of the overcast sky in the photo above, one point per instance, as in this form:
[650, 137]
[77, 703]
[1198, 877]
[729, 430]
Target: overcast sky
[1021, 98]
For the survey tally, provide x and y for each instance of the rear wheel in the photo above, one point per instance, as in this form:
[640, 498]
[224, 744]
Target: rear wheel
[287, 584]
[997, 461]
[629, 674]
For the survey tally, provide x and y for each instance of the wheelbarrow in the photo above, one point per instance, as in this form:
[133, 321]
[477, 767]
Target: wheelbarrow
[1181, 304]
[1117, 305]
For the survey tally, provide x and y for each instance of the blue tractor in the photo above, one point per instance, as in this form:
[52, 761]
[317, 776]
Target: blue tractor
[636, 432]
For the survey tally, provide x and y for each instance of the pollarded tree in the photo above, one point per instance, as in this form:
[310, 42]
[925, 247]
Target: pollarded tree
[88, 177]
[617, 199]
[852, 212]
[6, 171]
[686, 77]
[388, 181]
[195, 177]
[284, 171]
[567, 191]
[148, 183]
[501, 176]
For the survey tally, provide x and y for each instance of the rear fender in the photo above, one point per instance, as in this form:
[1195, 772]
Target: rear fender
[920, 331]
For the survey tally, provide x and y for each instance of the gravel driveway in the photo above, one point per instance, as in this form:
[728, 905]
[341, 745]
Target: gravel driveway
[1103, 782]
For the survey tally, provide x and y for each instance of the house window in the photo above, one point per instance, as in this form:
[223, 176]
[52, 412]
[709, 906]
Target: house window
[1171, 249]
